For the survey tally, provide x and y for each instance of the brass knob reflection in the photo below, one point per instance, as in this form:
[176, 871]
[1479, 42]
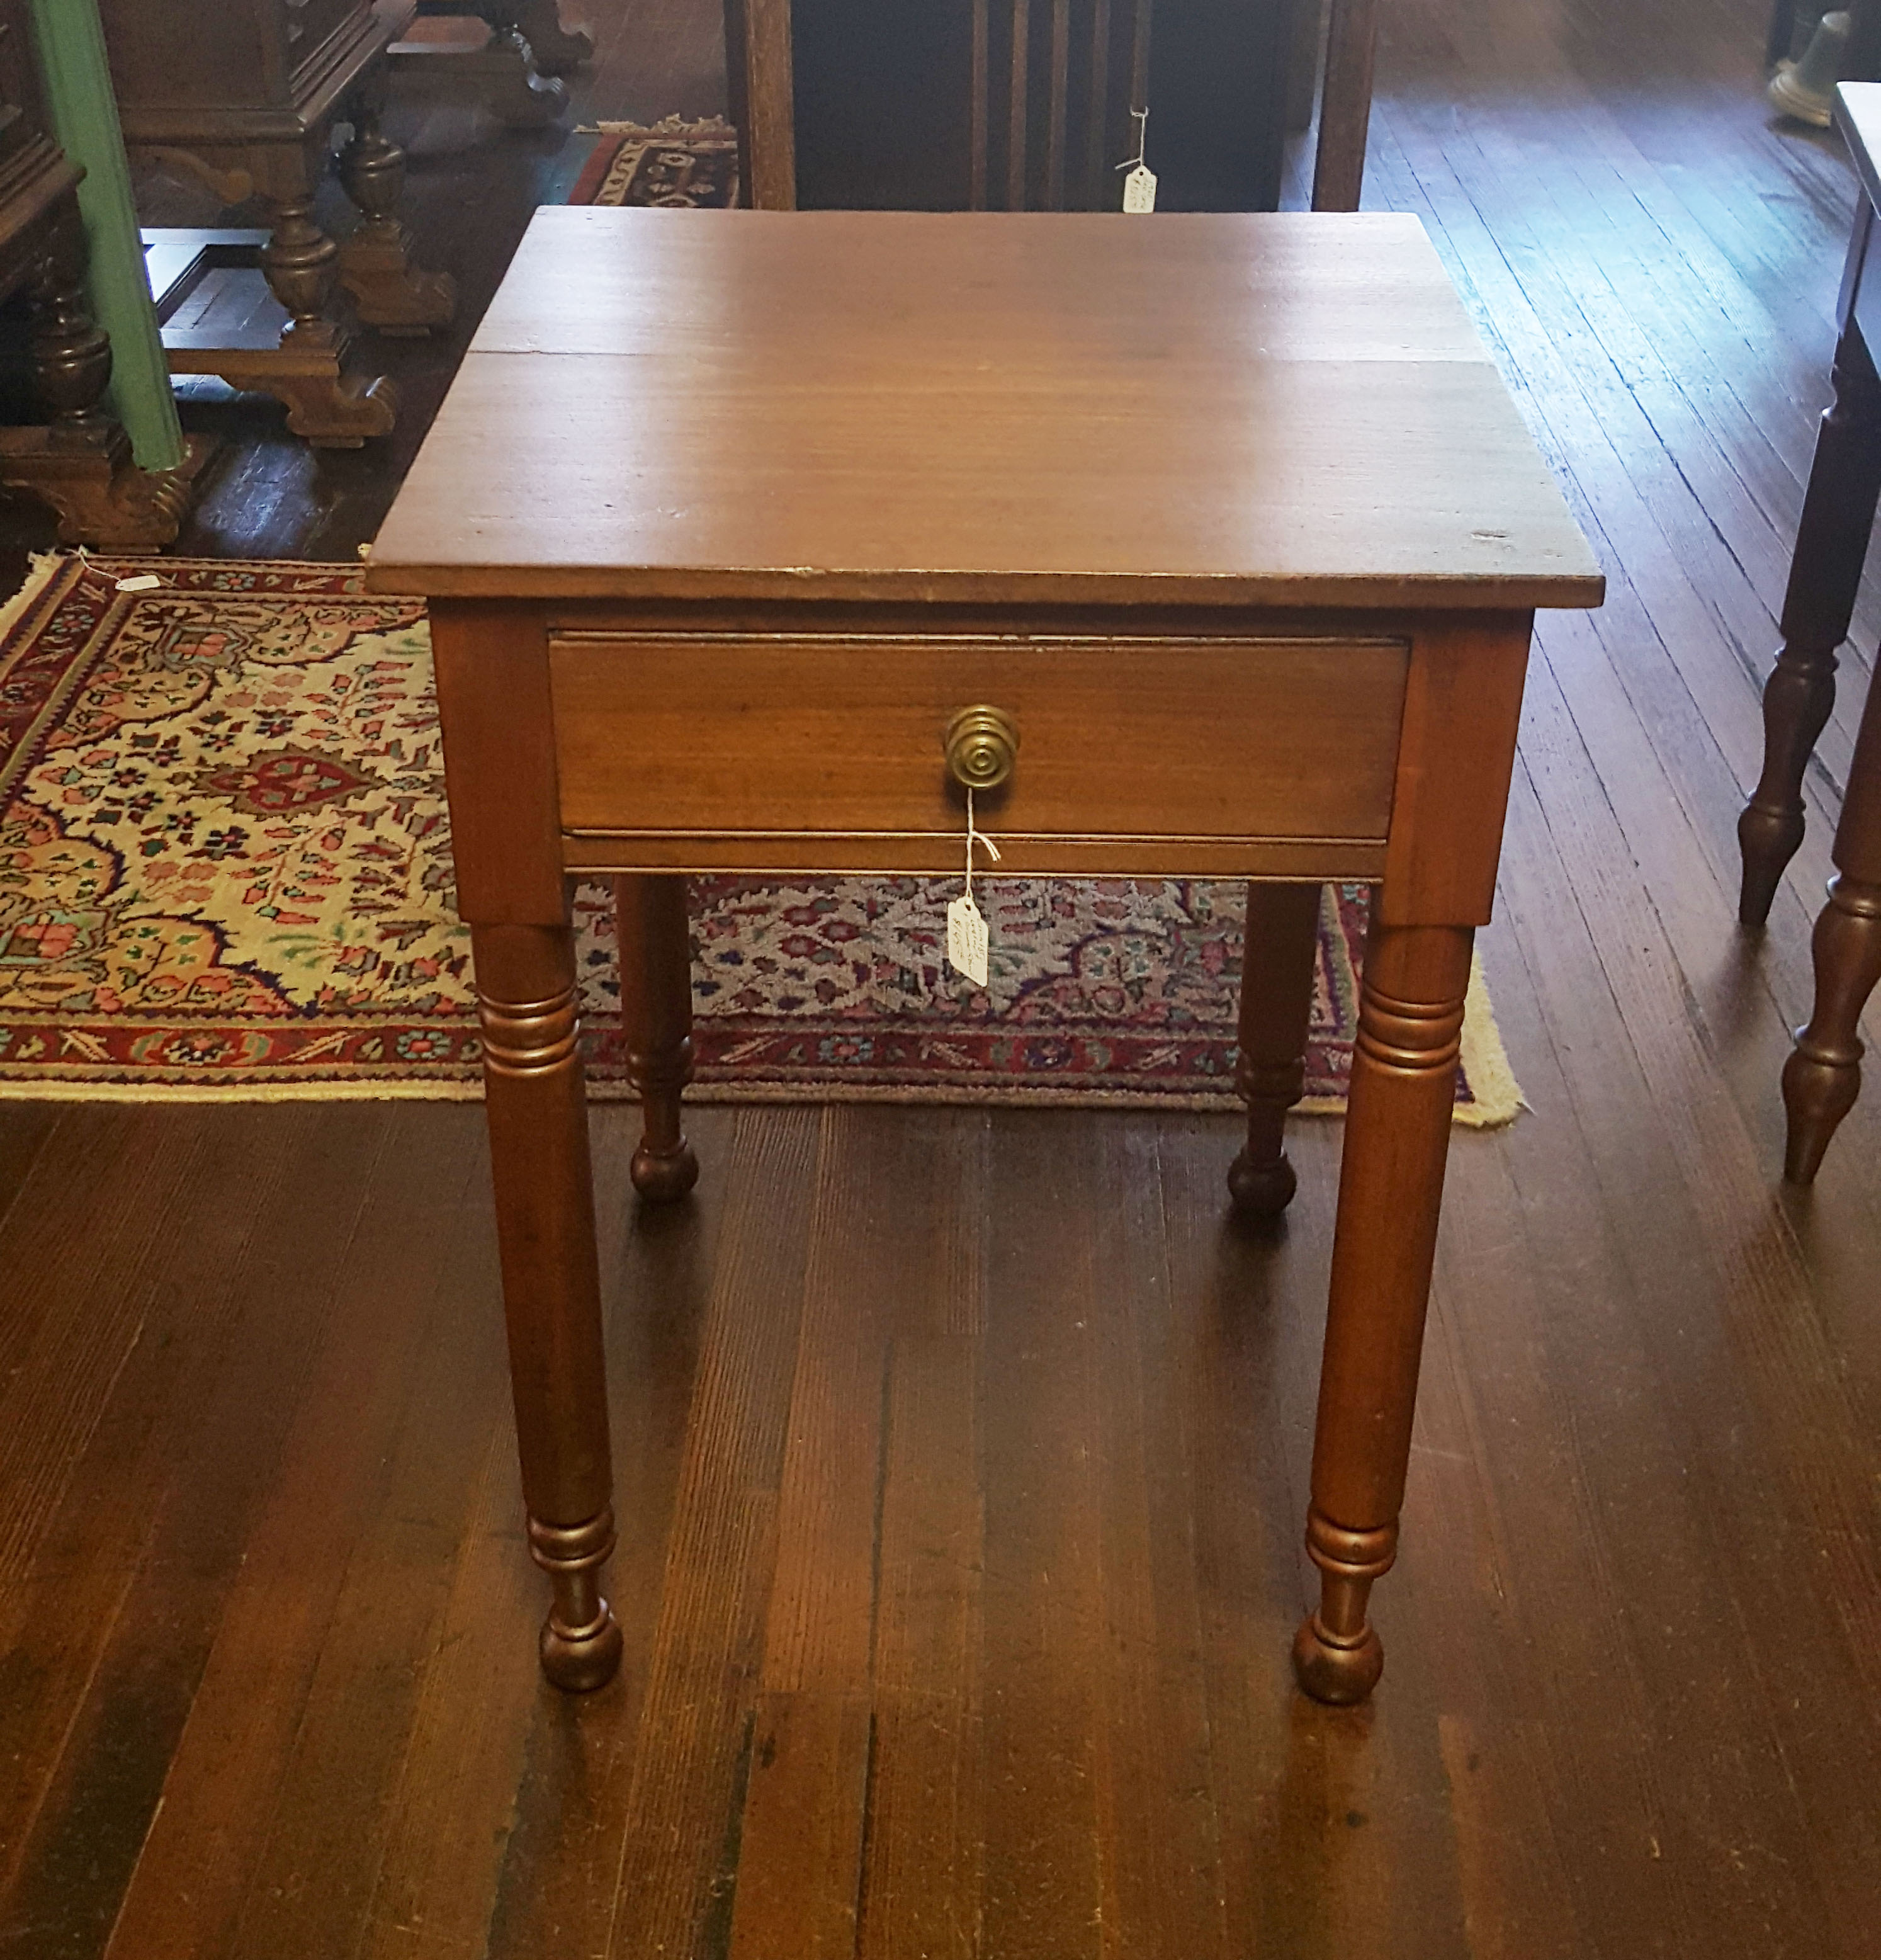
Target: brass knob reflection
[981, 745]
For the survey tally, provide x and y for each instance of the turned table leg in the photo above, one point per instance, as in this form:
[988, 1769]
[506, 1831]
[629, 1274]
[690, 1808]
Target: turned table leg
[1278, 961]
[1823, 1077]
[1397, 1136]
[657, 1007]
[1831, 542]
[538, 1151]
[375, 264]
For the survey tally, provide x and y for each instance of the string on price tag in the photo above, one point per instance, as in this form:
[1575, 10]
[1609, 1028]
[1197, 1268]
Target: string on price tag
[1139, 187]
[968, 941]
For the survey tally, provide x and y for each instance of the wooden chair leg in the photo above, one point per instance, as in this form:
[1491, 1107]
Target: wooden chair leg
[1823, 1077]
[538, 1151]
[1780, 37]
[1276, 1005]
[1338, 165]
[1397, 1136]
[1831, 542]
[656, 1006]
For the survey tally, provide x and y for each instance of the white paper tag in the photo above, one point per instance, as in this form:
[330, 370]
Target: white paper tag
[1139, 189]
[967, 940]
[145, 581]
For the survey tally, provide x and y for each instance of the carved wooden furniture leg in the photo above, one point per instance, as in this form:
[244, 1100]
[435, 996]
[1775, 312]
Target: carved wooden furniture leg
[656, 1005]
[538, 1151]
[1276, 1004]
[375, 263]
[1397, 1136]
[1823, 1077]
[1831, 542]
[331, 409]
[558, 50]
[502, 74]
[81, 464]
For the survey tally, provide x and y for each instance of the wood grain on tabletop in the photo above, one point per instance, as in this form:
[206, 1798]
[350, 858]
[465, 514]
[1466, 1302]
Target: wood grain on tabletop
[984, 405]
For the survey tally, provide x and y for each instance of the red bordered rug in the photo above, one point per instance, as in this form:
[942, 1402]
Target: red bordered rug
[673, 164]
[225, 872]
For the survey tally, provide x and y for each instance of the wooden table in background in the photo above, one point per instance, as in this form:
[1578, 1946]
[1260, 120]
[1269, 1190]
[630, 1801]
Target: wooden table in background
[726, 517]
[1823, 1077]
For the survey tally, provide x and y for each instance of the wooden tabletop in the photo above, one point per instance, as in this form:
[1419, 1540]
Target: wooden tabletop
[1280, 409]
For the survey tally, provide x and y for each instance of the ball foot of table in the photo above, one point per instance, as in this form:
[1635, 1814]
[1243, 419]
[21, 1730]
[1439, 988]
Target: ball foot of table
[1261, 1188]
[664, 1176]
[1337, 1656]
[581, 1660]
[580, 1642]
[1338, 1672]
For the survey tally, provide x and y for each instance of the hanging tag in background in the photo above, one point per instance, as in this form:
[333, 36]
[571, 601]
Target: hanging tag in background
[967, 940]
[1139, 187]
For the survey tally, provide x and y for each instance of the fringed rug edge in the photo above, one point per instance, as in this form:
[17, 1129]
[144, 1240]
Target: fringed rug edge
[1498, 1098]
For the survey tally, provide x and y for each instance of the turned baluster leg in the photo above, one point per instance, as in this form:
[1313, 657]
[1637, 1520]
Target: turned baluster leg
[300, 264]
[1397, 1136]
[1276, 1005]
[538, 1150]
[375, 264]
[656, 1006]
[1823, 1077]
[1831, 542]
[72, 353]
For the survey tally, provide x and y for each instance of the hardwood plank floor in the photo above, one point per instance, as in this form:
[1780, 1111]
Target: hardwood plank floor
[962, 1454]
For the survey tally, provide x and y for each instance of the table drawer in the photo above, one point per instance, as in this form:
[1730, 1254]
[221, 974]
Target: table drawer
[1186, 756]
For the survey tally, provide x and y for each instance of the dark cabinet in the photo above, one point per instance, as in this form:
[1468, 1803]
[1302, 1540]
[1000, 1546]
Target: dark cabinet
[244, 95]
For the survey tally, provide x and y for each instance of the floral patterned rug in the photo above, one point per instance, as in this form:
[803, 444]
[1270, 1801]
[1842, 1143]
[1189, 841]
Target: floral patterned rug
[672, 163]
[225, 872]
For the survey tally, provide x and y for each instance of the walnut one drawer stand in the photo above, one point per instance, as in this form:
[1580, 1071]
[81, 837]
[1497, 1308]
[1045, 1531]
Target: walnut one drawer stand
[1209, 546]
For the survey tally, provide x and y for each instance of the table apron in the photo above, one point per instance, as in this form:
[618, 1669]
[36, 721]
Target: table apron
[1199, 756]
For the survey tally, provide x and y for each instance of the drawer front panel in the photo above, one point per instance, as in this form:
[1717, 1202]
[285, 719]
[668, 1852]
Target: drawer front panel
[1207, 754]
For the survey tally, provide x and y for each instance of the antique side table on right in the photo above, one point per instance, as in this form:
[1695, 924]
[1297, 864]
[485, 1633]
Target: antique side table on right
[1218, 536]
[1822, 1076]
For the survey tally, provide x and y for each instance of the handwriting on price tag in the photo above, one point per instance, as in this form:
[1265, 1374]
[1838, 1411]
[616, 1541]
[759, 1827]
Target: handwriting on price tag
[967, 940]
[1139, 189]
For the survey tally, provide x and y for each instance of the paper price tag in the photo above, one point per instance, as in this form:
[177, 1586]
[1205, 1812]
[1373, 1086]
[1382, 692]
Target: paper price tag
[1139, 189]
[967, 940]
[145, 581]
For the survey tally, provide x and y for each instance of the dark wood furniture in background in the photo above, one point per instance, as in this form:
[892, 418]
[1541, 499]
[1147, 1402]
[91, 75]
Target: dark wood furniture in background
[1232, 516]
[509, 54]
[244, 94]
[1025, 104]
[81, 462]
[1823, 1077]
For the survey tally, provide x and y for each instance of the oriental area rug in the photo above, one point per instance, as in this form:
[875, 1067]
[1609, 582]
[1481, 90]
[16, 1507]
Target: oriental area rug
[225, 873]
[690, 166]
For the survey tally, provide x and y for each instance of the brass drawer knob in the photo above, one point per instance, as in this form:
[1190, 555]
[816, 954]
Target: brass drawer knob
[981, 745]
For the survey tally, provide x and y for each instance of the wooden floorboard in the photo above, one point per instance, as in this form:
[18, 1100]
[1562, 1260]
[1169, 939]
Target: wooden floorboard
[961, 1454]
